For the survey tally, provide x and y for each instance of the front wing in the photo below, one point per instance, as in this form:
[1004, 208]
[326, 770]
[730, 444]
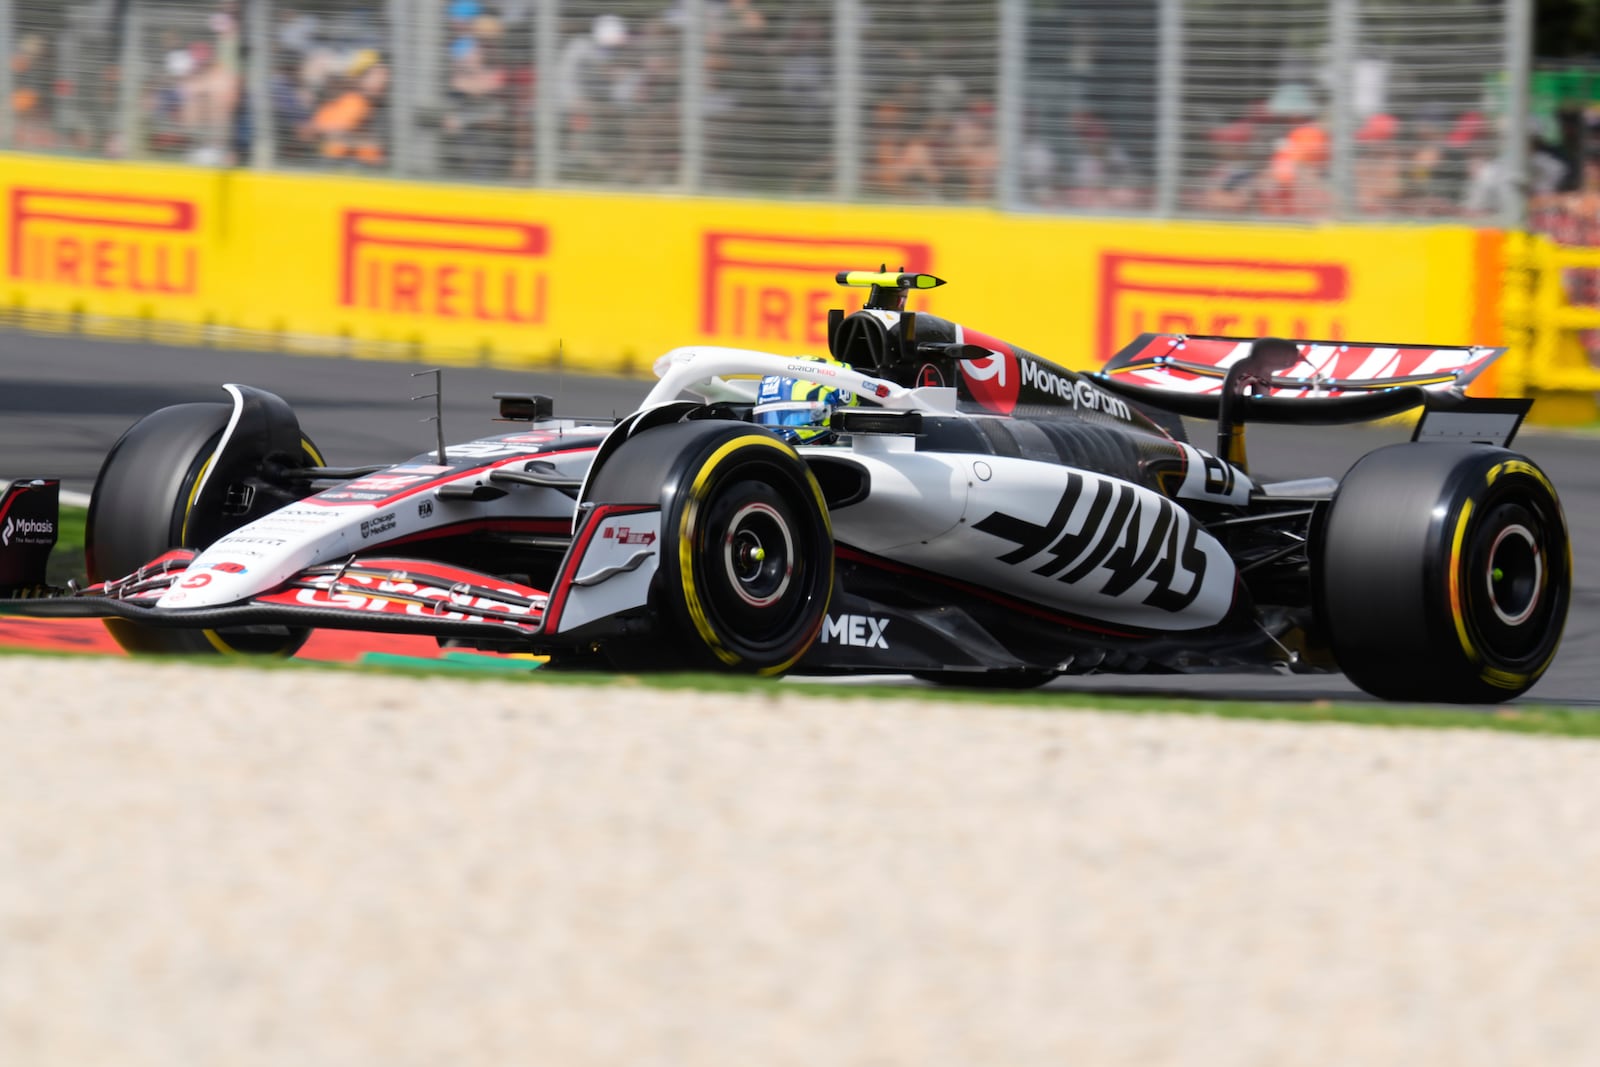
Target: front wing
[602, 585]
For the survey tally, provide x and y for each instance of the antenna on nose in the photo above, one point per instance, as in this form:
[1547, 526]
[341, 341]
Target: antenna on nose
[437, 418]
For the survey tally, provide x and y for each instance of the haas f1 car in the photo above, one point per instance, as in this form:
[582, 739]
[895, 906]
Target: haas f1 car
[973, 514]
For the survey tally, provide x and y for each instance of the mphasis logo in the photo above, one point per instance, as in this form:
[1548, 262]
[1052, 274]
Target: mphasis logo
[27, 532]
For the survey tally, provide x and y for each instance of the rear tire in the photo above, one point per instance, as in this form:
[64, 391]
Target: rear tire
[746, 568]
[142, 506]
[1445, 573]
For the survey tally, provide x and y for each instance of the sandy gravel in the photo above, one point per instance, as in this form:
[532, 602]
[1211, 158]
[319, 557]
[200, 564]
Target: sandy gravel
[203, 868]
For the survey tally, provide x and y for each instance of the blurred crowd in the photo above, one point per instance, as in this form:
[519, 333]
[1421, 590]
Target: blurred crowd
[1275, 161]
[767, 96]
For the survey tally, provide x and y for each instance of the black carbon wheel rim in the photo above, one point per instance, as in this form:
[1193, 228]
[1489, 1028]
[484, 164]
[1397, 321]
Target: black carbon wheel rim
[1508, 576]
[752, 563]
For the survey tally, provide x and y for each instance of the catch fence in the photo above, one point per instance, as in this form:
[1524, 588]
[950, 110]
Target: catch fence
[1383, 110]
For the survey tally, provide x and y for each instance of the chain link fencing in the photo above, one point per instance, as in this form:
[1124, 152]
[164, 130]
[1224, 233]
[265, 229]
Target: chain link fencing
[1389, 110]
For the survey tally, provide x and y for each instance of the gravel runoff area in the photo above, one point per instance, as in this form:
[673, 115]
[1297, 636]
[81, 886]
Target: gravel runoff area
[321, 868]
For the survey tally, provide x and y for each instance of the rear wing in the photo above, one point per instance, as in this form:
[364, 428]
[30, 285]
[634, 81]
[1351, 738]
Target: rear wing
[1309, 382]
[30, 513]
[1198, 365]
[1331, 382]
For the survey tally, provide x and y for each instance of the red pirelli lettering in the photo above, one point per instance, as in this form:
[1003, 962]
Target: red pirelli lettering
[778, 288]
[1202, 295]
[140, 244]
[442, 266]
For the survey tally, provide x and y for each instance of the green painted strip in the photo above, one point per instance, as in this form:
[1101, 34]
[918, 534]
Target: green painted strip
[451, 662]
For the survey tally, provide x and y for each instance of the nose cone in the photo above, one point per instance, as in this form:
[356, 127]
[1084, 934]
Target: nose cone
[261, 556]
[221, 582]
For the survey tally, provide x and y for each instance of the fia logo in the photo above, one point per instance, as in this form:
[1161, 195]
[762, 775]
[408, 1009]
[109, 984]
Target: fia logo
[424, 508]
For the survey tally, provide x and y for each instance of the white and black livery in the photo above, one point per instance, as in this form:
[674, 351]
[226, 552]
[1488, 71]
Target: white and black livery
[980, 516]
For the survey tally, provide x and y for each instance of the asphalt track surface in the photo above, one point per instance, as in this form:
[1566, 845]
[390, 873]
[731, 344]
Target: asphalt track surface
[65, 400]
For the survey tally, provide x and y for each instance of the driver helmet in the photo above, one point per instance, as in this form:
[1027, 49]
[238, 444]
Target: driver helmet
[797, 410]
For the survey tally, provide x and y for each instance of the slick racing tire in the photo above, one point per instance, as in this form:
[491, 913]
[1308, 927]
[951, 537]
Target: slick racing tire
[143, 505]
[1445, 573]
[746, 568]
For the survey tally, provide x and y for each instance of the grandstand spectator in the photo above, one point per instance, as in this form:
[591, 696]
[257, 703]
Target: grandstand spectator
[1036, 177]
[1452, 175]
[651, 120]
[291, 104]
[804, 94]
[1490, 184]
[1427, 185]
[976, 153]
[477, 127]
[740, 99]
[31, 98]
[903, 163]
[462, 16]
[1100, 173]
[592, 86]
[330, 89]
[1380, 167]
[345, 126]
[1295, 183]
[1229, 187]
[192, 103]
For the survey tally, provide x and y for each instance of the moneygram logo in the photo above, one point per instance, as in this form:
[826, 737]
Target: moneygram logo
[776, 289]
[1228, 297]
[445, 267]
[132, 244]
[994, 380]
[26, 531]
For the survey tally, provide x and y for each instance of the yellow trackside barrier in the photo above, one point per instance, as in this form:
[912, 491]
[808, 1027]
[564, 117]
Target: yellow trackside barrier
[606, 281]
[1548, 359]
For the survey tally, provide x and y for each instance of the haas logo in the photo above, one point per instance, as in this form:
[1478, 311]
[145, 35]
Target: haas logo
[993, 381]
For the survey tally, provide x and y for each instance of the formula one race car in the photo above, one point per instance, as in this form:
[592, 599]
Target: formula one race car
[974, 515]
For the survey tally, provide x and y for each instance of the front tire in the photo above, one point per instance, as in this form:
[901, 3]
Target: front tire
[746, 568]
[143, 504]
[1445, 573]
